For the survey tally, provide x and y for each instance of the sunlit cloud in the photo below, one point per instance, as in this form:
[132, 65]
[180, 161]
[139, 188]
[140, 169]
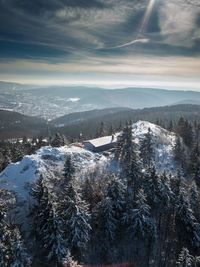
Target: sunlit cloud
[70, 40]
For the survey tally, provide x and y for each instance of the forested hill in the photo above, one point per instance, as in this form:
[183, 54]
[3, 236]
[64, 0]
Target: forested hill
[88, 123]
[16, 125]
[137, 204]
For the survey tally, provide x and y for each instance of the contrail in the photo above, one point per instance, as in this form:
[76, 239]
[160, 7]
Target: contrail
[132, 42]
[142, 28]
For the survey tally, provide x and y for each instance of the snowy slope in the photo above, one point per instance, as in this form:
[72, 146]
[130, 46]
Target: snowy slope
[49, 161]
[163, 141]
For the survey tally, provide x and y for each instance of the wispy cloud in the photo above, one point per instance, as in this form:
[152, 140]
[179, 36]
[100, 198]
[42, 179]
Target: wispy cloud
[100, 36]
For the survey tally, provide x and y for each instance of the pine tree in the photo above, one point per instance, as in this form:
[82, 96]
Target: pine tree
[152, 185]
[74, 212]
[47, 226]
[196, 261]
[140, 230]
[18, 253]
[12, 250]
[106, 221]
[194, 164]
[179, 152]
[184, 259]
[52, 237]
[146, 149]
[58, 140]
[184, 129]
[69, 170]
[104, 225]
[171, 126]
[165, 192]
[138, 220]
[102, 130]
[127, 157]
[116, 192]
[186, 222]
[176, 183]
[37, 214]
[194, 200]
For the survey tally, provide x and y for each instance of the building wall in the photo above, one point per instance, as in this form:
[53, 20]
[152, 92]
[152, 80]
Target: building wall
[89, 146]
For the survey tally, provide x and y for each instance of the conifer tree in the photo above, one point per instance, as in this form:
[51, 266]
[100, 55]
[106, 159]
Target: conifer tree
[186, 222]
[12, 250]
[69, 170]
[18, 253]
[138, 219]
[116, 193]
[74, 212]
[165, 192]
[40, 195]
[127, 157]
[105, 231]
[146, 149]
[184, 259]
[58, 140]
[179, 152]
[194, 198]
[152, 185]
[194, 164]
[52, 237]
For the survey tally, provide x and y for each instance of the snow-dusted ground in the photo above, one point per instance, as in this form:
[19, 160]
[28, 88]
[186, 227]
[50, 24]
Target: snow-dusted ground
[163, 141]
[49, 161]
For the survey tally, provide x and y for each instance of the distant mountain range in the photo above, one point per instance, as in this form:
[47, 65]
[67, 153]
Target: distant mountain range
[55, 101]
[15, 125]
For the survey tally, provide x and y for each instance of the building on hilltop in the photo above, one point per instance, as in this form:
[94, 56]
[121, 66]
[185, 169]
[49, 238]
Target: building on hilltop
[100, 144]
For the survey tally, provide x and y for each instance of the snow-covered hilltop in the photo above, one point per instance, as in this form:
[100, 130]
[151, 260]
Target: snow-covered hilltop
[49, 161]
[163, 141]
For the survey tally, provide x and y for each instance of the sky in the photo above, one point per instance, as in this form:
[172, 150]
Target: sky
[107, 43]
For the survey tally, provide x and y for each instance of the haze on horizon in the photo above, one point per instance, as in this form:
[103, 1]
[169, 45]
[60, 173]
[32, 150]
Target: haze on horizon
[105, 43]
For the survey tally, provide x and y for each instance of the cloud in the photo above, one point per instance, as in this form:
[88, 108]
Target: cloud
[79, 27]
[56, 37]
[177, 22]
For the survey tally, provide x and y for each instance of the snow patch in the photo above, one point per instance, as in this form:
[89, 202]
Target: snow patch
[47, 161]
[163, 142]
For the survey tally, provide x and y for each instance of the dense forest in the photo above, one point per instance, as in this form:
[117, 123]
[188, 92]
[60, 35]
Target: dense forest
[133, 216]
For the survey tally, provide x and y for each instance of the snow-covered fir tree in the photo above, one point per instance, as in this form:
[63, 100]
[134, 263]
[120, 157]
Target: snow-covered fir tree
[74, 212]
[138, 219]
[58, 140]
[116, 192]
[126, 150]
[186, 222]
[147, 149]
[52, 237]
[165, 192]
[194, 165]
[39, 192]
[13, 252]
[194, 200]
[17, 251]
[152, 185]
[184, 259]
[179, 153]
[104, 229]
[69, 169]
